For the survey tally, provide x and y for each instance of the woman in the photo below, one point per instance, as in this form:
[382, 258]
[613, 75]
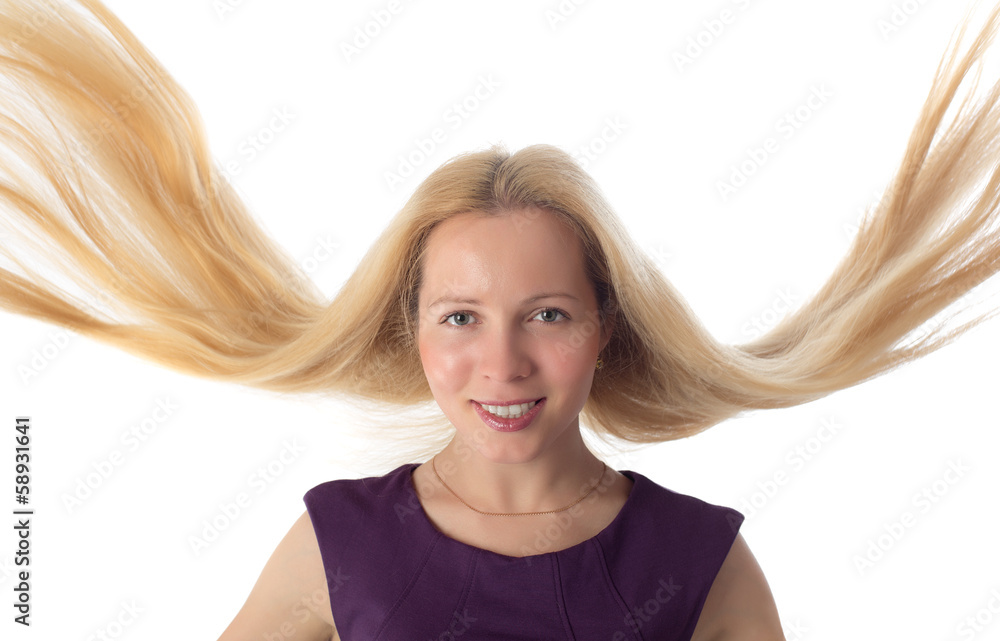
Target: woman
[678, 387]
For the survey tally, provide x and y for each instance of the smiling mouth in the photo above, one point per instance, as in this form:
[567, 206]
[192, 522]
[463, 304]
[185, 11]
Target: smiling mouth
[509, 410]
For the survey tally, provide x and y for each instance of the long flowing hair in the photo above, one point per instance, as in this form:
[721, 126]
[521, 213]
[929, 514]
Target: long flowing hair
[108, 185]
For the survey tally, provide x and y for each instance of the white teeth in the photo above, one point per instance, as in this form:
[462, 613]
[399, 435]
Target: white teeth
[509, 411]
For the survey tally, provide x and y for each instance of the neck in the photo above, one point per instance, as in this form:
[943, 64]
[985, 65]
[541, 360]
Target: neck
[561, 474]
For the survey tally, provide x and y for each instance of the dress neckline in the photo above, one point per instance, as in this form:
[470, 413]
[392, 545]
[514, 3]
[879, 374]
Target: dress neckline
[630, 500]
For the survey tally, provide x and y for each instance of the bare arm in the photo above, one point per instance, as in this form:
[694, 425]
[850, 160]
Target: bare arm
[739, 606]
[290, 598]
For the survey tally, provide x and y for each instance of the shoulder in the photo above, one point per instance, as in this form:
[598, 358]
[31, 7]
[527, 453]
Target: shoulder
[291, 594]
[739, 606]
[369, 485]
[344, 498]
[730, 599]
[351, 515]
[688, 524]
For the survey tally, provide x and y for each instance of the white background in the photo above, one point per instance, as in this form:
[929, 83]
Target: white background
[323, 178]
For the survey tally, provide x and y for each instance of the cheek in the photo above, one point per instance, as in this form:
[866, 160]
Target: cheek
[570, 364]
[444, 367]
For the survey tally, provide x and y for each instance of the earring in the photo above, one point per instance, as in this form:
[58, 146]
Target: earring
[600, 363]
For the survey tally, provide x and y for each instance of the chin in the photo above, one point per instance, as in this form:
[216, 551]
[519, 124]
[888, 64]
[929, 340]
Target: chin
[507, 448]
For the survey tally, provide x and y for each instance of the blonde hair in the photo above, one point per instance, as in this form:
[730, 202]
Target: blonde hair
[108, 176]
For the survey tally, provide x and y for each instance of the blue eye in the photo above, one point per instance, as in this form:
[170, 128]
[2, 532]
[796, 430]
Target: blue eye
[456, 315]
[461, 319]
[550, 310]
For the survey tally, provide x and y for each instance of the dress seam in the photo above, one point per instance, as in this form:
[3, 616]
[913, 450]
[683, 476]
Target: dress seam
[606, 571]
[471, 576]
[409, 587]
[561, 599]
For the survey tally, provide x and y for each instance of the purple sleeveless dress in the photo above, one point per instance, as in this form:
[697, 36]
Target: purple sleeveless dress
[393, 576]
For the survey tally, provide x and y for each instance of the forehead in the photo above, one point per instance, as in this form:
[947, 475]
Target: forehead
[501, 254]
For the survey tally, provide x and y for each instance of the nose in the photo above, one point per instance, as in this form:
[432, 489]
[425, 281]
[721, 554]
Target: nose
[505, 354]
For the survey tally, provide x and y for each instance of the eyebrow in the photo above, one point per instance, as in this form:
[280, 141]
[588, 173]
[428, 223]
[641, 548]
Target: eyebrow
[473, 301]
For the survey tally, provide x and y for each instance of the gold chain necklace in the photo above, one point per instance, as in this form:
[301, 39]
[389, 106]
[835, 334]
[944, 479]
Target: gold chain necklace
[603, 470]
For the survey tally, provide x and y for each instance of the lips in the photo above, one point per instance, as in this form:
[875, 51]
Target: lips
[501, 424]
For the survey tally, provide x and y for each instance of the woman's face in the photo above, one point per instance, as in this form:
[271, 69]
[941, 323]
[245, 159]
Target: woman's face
[507, 314]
